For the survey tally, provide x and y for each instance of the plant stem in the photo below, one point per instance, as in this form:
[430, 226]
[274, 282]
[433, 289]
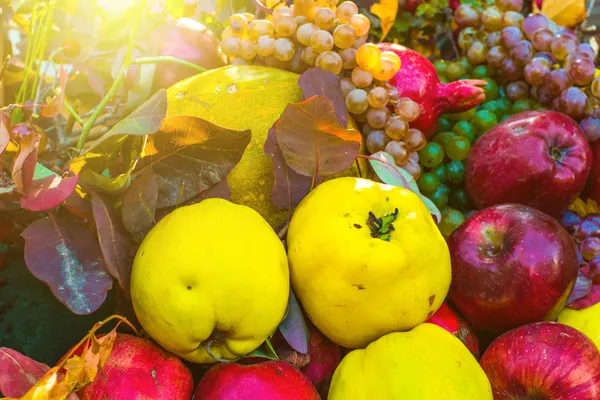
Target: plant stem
[154, 60]
[87, 127]
[42, 42]
[74, 113]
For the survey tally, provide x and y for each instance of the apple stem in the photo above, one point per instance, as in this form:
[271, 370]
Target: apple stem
[211, 340]
[381, 228]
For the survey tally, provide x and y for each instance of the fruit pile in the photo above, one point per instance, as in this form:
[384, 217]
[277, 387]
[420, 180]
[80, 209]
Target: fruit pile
[541, 63]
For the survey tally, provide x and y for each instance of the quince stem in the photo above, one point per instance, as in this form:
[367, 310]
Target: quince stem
[381, 228]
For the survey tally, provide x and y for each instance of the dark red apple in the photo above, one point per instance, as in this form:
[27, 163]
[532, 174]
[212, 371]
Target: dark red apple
[138, 369]
[267, 380]
[540, 159]
[445, 317]
[191, 41]
[592, 189]
[511, 265]
[544, 360]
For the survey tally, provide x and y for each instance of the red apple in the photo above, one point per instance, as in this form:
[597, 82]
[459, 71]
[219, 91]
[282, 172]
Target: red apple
[511, 265]
[267, 380]
[541, 159]
[544, 360]
[191, 41]
[445, 317]
[592, 189]
[138, 369]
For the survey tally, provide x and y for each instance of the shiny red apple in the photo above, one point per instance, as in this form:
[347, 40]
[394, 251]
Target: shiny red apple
[592, 189]
[511, 265]
[267, 380]
[138, 369]
[541, 159]
[544, 360]
[445, 317]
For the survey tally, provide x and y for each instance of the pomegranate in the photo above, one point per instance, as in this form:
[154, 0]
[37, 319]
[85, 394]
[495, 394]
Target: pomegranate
[418, 80]
[188, 40]
[445, 317]
[138, 369]
[266, 380]
[324, 357]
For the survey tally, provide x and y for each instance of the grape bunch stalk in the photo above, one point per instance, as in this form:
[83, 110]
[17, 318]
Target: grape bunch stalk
[534, 58]
[333, 37]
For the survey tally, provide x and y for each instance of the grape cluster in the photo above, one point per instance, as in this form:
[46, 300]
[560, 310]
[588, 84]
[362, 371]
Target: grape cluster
[586, 235]
[537, 60]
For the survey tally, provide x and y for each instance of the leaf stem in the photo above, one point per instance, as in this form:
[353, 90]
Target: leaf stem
[73, 113]
[87, 127]
[154, 60]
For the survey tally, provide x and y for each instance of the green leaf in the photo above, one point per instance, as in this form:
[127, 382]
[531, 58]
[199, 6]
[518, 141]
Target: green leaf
[432, 208]
[41, 172]
[403, 21]
[265, 350]
[176, 8]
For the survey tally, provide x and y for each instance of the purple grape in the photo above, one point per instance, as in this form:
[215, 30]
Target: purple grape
[517, 90]
[587, 49]
[562, 46]
[543, 96]
[590, 248]
[572, 101]
[494, 39]
[511, 35]
[595, 87]
[591, 127]
[495, 56]
[557, 81]
[569, 220]
[546, 55]
[510, 70]
[581, 70]
[522, 52]
[542, 39]
[568, 33]
[509, 5]
[534, 22]
[589, 227]
[536, 71]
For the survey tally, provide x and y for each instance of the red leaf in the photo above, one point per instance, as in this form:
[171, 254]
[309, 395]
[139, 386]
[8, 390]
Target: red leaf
[139, 204]
[318, 82]
[289, 187]
[24, 165]
[54, 106]
[312, 141]
[4, 135]
[69, 260]
[49, 192]
[115, 244]
[18, 373]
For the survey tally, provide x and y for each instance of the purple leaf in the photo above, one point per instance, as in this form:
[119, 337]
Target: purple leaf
[318, 82]
[54, 106]
[582, 288]
[25, 162]
[592, 298]
[289, 187]
[139, 205]
[69, 260]
[312, 141]
[294, 328]
[115, 244]
[49, 192]
[221, 190]
[4, 135]
[18, 373]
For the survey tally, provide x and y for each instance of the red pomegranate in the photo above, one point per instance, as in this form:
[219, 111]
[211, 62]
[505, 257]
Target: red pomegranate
[418, 80]
[138, 369]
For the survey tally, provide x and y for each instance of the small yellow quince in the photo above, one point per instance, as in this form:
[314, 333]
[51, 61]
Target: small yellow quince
[366, 259]
[213, 275]
[586, 321]
[426, 363]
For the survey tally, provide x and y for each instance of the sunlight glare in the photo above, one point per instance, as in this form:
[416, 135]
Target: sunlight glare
[116, 6]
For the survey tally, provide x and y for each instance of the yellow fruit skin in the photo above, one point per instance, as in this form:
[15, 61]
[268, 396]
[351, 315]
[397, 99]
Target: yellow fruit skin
[356, 288]
[586, 321]
[246, 97]
[212, 268]
[426, 363]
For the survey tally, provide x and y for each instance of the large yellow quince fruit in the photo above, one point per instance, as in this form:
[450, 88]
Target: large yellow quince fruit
[356, 287]
[586, 321]
[210, 272]
[426, 363]
[246, 97]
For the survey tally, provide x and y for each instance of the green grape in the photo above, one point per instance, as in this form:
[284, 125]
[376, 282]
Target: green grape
[491, 90]
[439, 172]
[451, 219]
[467, 66]
[522, 105]
[454, 70]
[505, 117]
[463, 116]
[428, 182]
[464, 128]
[492, 106]
[441, 196]
[444, 124]
[444, 79]
[455, 171]
[458, 148]
[459, 199]
[505, 106]
[484, 120]
[443, 137]
[431, 155]
[440, 67]
[344, 36]
[463, 77]
[480, 72]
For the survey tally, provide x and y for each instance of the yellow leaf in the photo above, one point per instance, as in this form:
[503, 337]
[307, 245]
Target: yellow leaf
[386, 10]
[565, 12]
[583, 208]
